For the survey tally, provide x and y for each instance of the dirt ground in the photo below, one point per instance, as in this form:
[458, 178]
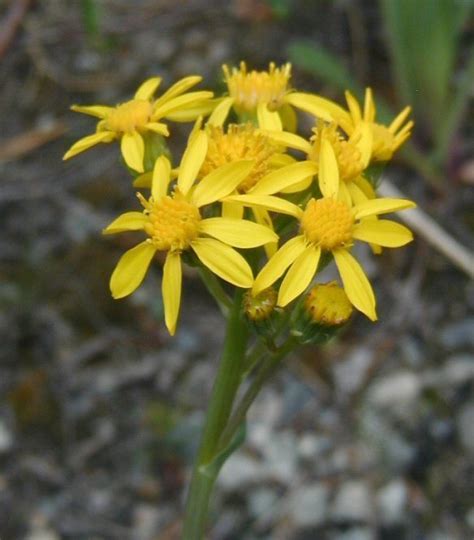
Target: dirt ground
[371, 438]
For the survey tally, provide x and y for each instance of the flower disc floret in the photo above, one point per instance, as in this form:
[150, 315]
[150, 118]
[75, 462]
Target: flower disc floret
[239, 142]
[250, 88]
[172, 223]
[327, 223]
[128, 116]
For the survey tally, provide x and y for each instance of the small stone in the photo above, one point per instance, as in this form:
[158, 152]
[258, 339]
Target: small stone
[465, 425]
[470, 518]
[262, 501]
[356, 533]
[391, 502]
[352, 503]
[307, 505]
[239, 471]
[458, 334]
[401, 387]
[42, 534]
[350, 373]
[310, 445]
[6, 439]
[281, 457]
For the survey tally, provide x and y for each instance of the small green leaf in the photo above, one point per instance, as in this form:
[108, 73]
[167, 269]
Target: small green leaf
[212, 469]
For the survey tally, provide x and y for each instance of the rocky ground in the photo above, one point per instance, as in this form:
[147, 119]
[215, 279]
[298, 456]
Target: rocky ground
[370, 438]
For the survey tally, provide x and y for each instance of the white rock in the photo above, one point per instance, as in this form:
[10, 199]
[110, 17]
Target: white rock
[350, 373]
[401, 387]
[353, 503]
[310, 445]
[42, 534]
[307, 505]
[391, 502]
[262, 501]
[281, 457]
[240, 471]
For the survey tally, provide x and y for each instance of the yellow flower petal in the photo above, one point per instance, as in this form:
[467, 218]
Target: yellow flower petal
[193, 111]
[161, 177]
[369, 106]
[365, 186]
[181, 102]
[158, 127]
[277, 265]
[364, 140]
[263, 217]
[147, 89]
[356, 284]
[268, 119]
[238, 233]
[354, 107]
[299, 186]
[221, 181]
[299, 276]
[88, 142]
[99, 111]
[381, 206]
[143, 180]
[268, 202]
[289, 140]
[171, 289]
[344, 194]
[224, 261]
[130, 221]
[328, 170]
[131, 269]
[232, 210]
[133, 150]
[357, 195]
[283, 178]
[318, 107]
[221, 112]
[399, 119]
[382, 232]
[192, 160]
[178, 88]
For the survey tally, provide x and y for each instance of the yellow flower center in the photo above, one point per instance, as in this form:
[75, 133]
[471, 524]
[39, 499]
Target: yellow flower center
[173, 222]
[240, 142]
[347, 154]
[249, 89]
[383, 142]
[128, 116]
[327, 223]
[327, 304]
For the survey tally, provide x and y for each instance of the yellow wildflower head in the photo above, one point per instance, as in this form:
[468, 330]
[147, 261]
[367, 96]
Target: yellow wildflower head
[252, 88]
[350, 159]
[327, 304]
[173, 223]
[131, 120]
[239, 142]
[385, 139]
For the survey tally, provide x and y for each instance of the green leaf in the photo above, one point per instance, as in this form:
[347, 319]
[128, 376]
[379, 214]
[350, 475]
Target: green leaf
[322, 64]
[211, 469]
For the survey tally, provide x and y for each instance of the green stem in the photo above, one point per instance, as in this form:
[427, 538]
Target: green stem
[222, 398]
[264, 372]
[215, 288]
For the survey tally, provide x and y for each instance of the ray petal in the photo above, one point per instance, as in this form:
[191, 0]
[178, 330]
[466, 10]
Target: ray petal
[171, 289]
[299, 276]
[131, 269]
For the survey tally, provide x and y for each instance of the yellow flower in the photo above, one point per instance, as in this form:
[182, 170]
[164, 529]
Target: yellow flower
[129, 121]
[331, 225]
[173, 221]
[327, 304]
[265, 95]
[385, 140]
[340, 161]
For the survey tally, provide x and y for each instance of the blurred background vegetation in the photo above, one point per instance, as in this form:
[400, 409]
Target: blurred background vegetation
[371, 438]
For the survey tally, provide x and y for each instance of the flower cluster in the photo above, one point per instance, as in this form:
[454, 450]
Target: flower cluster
[252, 201]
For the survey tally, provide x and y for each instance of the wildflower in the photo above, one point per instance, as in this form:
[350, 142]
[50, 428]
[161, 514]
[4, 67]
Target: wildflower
[263, 95]
[329, 225]
[386, 140]
[174, 223]
[131, 120]
[260, 307]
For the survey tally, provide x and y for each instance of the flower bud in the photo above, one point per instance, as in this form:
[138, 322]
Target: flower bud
[260, 311]
[321, 313]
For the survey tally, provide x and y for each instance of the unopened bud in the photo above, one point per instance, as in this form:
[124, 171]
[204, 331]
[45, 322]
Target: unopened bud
[260, 310]
[324, 310]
